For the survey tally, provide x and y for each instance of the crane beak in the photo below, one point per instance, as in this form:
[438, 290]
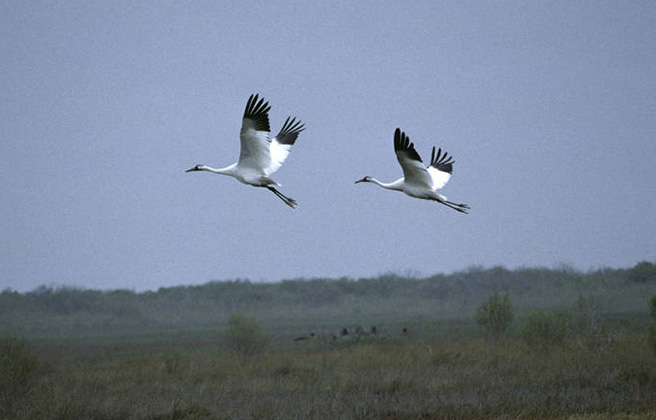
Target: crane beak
[191, 169]
[361, 180]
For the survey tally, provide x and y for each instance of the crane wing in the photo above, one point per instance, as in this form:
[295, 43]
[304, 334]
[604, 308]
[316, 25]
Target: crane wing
[254, 134]
[441, 168]
[414, 171]
[282, 143]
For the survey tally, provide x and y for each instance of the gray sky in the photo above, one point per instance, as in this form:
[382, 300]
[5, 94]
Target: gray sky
[549, 109]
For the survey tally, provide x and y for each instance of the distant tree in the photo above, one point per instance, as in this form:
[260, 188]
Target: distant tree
[643, 272]
[652, 327]
[11, 301]
[245, 337]
[64, 300]
[495, 315]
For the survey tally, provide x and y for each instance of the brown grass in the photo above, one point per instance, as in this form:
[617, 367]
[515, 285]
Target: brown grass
[469, 379]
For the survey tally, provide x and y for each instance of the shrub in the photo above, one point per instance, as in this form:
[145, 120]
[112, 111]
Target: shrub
[174, 361]
[18, 367]
[245, 337]
[544, 328]
[495, 315]
[587, 320]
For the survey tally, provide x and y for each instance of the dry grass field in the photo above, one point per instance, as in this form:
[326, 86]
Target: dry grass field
[463, 379]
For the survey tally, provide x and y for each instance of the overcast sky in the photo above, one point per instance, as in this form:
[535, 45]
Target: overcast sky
[549, 109]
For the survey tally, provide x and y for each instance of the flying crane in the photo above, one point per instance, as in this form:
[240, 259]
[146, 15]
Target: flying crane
[260, 156]
[418, 180]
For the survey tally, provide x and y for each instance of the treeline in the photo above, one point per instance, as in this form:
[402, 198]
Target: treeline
[69, 308]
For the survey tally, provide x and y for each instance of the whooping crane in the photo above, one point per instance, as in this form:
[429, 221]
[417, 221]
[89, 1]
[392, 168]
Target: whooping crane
[260, 156]
[418, 180]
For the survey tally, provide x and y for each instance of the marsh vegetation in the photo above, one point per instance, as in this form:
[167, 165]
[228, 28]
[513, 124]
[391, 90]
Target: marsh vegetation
[578, 345]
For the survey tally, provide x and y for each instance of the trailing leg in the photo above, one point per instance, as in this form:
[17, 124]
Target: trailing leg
[462, 208]
[289, 201]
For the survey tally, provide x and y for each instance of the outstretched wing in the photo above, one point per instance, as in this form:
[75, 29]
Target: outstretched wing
[441, 168]
[282, 143]
[254, 134]
[414, 171]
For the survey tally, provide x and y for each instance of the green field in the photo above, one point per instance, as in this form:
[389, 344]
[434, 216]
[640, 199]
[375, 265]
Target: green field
[83, 354]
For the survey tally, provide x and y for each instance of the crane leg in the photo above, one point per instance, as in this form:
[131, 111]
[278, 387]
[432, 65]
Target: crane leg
[462, 208]
[289, 201]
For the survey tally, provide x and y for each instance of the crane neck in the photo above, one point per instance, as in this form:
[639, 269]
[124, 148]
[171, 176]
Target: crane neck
[228, 170]
[396, 185]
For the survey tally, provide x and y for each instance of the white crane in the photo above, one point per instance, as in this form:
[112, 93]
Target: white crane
[418, 180]
[260, 155]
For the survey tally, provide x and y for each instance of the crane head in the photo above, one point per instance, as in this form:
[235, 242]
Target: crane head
[365, 179]
[195, 168]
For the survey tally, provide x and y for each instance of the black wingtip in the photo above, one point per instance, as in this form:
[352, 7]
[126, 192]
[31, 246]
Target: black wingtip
[292, 125]
[402, 144]
[400, 140]
[290, 131]
[442, 162]
[257, 109]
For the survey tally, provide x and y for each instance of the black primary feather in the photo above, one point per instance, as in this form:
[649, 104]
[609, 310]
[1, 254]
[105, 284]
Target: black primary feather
[258, 112]
[441, 162]
[290, 131]
[402, 144]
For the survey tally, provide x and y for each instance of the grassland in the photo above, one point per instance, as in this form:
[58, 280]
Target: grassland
[163, 355]
[469, 378]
